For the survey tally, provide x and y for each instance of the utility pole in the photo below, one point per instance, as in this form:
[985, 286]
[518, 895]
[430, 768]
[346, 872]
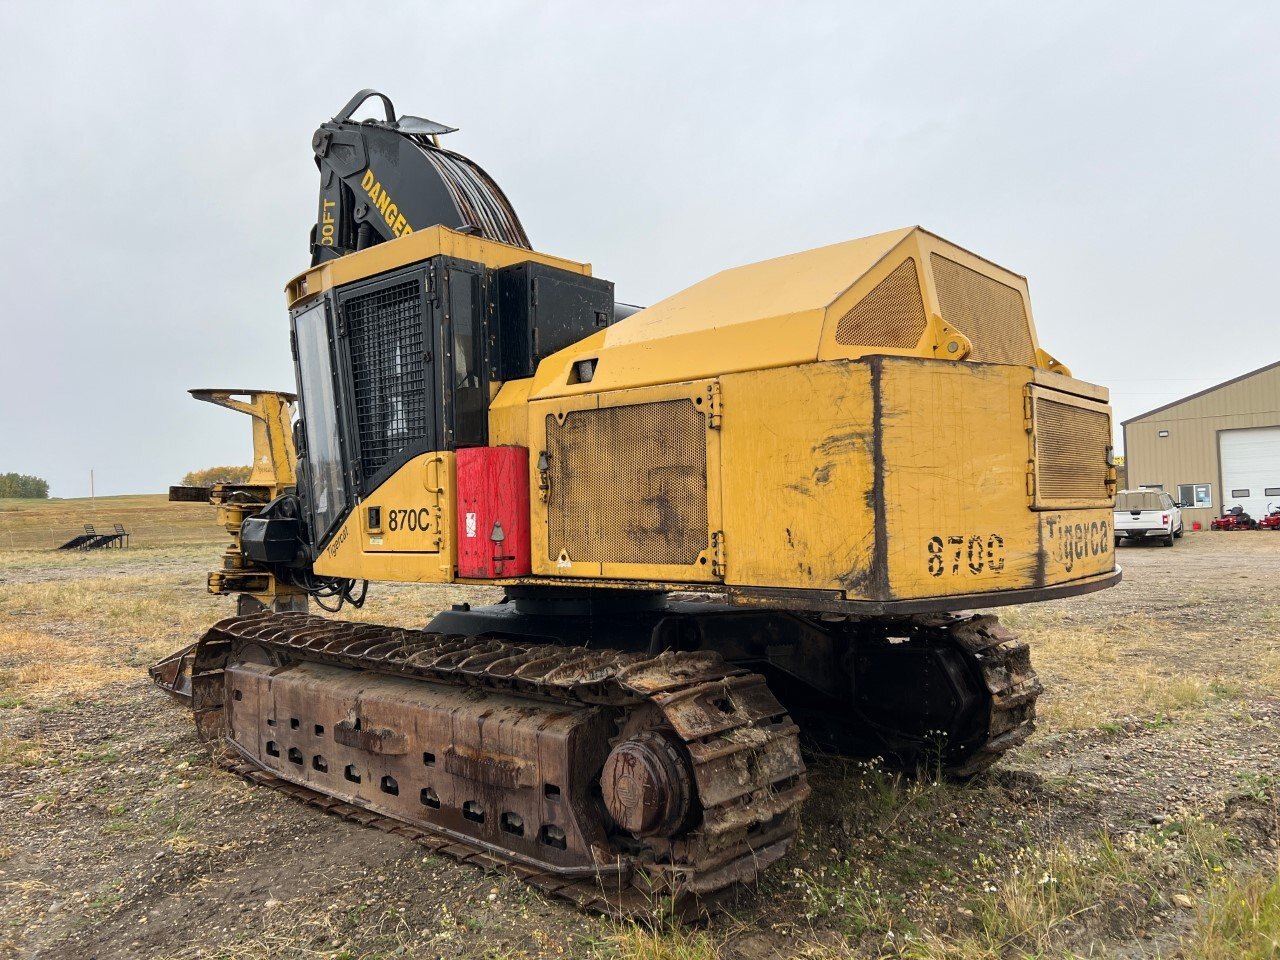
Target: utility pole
[93, 503]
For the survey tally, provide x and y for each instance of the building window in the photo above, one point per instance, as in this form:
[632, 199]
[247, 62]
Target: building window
[1271, 492]
[1240, 493]
[1163, 433]
[1195, 494]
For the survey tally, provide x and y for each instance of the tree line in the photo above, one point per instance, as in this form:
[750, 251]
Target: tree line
[20, 485]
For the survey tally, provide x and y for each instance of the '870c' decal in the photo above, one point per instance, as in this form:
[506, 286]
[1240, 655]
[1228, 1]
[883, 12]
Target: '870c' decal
[413, 520]
[971, 554]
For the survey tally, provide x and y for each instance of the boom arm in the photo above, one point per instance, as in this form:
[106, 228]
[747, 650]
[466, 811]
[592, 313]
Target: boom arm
[382, 179]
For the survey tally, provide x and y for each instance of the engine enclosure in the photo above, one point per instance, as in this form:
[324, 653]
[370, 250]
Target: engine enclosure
[867, 428]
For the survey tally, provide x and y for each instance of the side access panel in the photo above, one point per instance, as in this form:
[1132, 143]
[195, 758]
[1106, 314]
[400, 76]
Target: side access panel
[403, 531]
[627, 484]
[798, 460]
[960, 466]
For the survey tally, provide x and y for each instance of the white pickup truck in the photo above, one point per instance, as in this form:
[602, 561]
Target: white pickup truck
[1147, 513]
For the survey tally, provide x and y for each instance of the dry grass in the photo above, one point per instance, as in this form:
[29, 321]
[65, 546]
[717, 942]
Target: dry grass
[1050, 894]
[635, 942]
[118, 621]
[1239, 920]
[1094, 675]
[150, 519]
[67, 640]
[36, 666]
[1041, 903]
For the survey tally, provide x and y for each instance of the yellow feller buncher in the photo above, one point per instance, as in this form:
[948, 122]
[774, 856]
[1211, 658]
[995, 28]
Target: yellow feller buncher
[728, 526]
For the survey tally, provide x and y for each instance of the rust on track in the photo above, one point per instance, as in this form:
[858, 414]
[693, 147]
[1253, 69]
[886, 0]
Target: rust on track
[621, 781]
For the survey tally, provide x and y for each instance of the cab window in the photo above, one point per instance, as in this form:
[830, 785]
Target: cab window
[319, 416]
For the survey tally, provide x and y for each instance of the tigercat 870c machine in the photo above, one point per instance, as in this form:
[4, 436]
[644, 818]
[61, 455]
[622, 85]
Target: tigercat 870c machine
[728, 525]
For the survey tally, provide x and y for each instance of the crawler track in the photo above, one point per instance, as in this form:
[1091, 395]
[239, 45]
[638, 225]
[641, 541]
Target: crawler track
[725, 734]
[742, 750]
[1004, 662]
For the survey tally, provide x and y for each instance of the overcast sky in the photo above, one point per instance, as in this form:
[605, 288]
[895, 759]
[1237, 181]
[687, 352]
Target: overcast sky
[160, 184]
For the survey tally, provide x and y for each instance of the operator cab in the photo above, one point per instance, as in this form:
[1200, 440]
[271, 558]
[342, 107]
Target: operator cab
[406, 363]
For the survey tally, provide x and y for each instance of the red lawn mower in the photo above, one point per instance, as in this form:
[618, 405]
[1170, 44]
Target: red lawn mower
[1271, 521]
[1234, 519]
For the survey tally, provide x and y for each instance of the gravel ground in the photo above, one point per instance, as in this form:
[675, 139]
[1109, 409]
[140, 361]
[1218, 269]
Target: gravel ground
[119, 840]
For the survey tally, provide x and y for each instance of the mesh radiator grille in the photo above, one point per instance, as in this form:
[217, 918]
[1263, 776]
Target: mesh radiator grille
[1071, 452]
[388, 371]
[891, 315]
[991, 314]
[628, 484]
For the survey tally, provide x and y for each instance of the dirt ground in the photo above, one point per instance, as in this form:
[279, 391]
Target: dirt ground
[1139, 822]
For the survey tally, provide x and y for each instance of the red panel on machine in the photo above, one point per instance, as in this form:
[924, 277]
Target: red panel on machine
[493, 511]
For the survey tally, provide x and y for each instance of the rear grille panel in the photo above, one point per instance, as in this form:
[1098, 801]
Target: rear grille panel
[388, 371]
[891, 315]
[628, 484]
[1072, 444]
[991, 314]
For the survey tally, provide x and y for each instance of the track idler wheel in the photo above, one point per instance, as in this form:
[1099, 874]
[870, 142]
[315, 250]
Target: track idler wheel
[647, 786]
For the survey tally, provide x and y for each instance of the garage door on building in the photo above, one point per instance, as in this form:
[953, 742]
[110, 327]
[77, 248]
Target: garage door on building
[1250, 469]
